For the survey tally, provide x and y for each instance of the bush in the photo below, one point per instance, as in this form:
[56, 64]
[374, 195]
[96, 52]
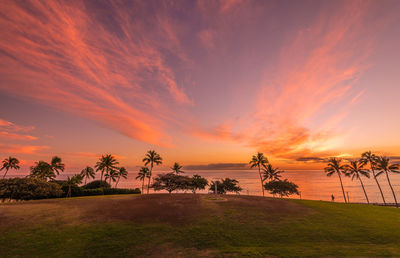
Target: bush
[97, 184]
[28, 189]
[109, 191]
[91, 192]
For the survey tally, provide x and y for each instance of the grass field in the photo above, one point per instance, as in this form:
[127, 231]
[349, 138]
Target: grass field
[165, 225]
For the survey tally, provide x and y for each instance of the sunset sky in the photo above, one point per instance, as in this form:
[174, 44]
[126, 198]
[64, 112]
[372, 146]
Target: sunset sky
[199, 81]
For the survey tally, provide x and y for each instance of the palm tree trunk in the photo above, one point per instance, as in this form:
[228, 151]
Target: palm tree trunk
[116, 184]
[262, 186]
[101, 177]
[148, 184]
[366, 197]
[379, 186]
[341, 184]
[85, 180]
[394, 195]
[69, 190]
[5, 173]
[143, 184]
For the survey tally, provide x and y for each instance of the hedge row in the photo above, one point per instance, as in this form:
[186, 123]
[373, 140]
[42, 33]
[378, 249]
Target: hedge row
[31, 189]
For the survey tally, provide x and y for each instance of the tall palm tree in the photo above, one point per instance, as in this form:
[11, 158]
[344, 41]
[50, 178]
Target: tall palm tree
[152, 158]
[74, 180]
[384, 166]
[42, 170]
[369, 157]
[122, 172]
[177, 168]
[143, 173]
[88, 172]
[335, 166]
[10, 163]
[356, 169]
[106, 164]
[270, 173]
[57, 165]
[259, 161]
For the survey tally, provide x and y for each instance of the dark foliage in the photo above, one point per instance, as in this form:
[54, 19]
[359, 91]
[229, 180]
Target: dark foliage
[28, 189]
[171, 182]
[225, 186]
[282, 188]
[97, 184]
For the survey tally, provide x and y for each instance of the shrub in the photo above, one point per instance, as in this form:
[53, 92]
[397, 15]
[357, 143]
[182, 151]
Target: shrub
[97, 184]
[91, 192]
[109, 191]
[28, 189]
[283, 188]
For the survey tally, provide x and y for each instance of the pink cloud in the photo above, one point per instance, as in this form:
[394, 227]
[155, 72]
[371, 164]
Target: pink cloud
[15, 136]
[21, 149]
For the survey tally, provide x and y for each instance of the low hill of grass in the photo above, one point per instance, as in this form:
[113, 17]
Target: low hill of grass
[163, 225]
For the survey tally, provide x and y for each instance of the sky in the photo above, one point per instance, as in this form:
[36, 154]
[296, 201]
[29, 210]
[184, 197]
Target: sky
[201, 82]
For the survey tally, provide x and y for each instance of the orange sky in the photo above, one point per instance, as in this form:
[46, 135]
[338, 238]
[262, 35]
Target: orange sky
[199, 81]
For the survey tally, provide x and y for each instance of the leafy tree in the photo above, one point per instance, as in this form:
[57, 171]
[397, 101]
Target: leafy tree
[369, 157]
[271, 174]
[225, 186]
[28, 189]
[177, 168]
[111, 175]
[73, 181]
[42, 170]
[356, 170]
[142, 175]
[10, 163]
[384, 166]
[259, 161]
[198, 183]
[122, 172]
[97, 184]
[283, 188]
[57, 165]
[106, 164]
[170, 182]
[152, 158]
[335, 166]
[88, 172]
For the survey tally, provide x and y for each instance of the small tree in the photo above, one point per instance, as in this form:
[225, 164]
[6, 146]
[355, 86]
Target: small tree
[88, 172]
[122, 172]
[73, 181]
[10, 163]
[283, 188]
[42, 170]
[197, 183]
[144, 173]
[171, 182]
[225, 186]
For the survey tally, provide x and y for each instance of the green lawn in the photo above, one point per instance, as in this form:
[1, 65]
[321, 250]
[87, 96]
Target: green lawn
[195, 225]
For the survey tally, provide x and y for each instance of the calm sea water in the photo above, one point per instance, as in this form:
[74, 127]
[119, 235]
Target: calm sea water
[313, 184]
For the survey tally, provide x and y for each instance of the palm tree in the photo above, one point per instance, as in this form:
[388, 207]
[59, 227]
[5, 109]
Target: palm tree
[259, 161]
[270, 173]
[88, 172]
[177, 168]
[152, 158]
[356, 170]
[74, 180]
[334, 166]
[383, 164]
[143, 173]
[57, 165]
[10, 163]
[369, 157]
[106, 164]
[42, 170]
[111, 175]
[122, 172]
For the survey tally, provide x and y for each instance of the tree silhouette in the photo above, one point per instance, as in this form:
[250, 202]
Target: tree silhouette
[74, 180]
[369, 158]
[88, 172]
[259, 161]
[177, 168]
[384, 166]
[42, 170]
[57, 165]
[356, 169]
[122, 172]
[106, 164]
[152, 158]
[143, 173]
[271, 174]
[334, 166]
[10, 163]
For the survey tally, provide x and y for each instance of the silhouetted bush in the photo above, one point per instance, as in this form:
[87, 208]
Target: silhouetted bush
[97, 184]
[108, 191]
[91, 192]
[28, 189]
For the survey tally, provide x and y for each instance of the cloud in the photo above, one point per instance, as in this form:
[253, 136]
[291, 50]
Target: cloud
[7, 125]
[15, 136]
[207, 38]
[218, 166]
[315, 74]
[21, 149]
[97, 60]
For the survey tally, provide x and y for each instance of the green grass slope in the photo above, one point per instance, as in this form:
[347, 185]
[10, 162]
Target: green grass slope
[194, 225]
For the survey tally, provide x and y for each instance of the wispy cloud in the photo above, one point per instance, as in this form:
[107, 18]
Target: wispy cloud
[21, 149]
[94, 59]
